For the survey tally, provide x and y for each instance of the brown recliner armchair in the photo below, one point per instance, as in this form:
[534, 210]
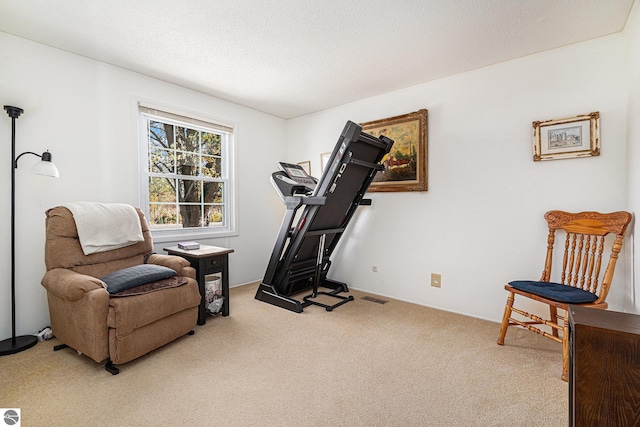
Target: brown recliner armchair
[85, 317]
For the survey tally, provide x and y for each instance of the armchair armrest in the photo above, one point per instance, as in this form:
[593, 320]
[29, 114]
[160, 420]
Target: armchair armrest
[174, 262]
[69, 285]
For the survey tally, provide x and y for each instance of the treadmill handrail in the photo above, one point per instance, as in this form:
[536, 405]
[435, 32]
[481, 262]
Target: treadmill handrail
[294, 202]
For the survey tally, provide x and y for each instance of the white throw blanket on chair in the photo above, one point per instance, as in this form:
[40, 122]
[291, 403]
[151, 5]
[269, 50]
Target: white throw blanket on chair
[105, 226]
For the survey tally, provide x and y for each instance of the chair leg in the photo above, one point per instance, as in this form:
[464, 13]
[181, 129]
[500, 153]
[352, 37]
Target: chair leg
[554, 318]
[505, 318]
[565, 352]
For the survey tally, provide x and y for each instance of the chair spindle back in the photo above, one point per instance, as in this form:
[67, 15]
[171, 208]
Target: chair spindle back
[584, 246]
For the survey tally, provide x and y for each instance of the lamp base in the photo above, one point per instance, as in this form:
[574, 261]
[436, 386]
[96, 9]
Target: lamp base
[17, 344]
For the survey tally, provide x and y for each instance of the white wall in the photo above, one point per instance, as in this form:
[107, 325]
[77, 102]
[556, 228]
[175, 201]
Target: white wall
[632, 301]
[481, 222]
[81, 110]
[479, 225]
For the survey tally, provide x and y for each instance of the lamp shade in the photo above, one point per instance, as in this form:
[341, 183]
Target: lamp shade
[45, 166]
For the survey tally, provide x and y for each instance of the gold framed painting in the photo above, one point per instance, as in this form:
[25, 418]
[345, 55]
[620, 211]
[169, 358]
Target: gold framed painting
[577, 136]
[406, 164]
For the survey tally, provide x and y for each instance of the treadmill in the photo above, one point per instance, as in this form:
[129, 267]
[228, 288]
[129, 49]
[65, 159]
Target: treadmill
[322, 210]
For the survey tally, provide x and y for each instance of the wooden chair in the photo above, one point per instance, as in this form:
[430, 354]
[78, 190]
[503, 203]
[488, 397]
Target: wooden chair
[582, 280]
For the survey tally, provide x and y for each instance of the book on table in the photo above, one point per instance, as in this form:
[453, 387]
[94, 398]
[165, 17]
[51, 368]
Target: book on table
[189, 245]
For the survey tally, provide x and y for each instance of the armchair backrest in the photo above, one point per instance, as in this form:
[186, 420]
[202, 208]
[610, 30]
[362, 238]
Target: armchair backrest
[63, 250]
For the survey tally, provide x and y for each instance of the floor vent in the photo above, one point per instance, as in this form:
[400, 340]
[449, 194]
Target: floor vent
[376, 300]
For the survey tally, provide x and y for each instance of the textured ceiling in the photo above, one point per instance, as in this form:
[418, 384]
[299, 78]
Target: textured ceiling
[294, 57]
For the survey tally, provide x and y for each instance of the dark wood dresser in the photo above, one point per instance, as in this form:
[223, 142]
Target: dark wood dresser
[604, 368]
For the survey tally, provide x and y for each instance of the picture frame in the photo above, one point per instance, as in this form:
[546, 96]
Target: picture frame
[324, 159]
[570, 137]
[306, 165]
[406, 167]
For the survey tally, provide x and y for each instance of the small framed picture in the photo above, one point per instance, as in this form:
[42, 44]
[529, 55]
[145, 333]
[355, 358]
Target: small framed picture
[577, 136]
[324, 159]
[306, 165]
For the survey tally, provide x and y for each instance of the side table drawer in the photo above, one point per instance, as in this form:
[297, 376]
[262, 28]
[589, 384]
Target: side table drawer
[215, 262]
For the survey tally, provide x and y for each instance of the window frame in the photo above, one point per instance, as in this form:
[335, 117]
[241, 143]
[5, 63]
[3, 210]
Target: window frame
[198, 121]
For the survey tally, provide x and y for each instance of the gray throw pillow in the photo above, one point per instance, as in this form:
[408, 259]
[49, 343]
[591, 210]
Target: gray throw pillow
[127, 278]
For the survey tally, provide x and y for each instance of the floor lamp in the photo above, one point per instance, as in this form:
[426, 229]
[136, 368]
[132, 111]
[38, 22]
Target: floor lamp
[44, 167]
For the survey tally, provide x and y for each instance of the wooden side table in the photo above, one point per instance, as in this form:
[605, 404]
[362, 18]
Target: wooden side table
[604, 370]
[207, 260]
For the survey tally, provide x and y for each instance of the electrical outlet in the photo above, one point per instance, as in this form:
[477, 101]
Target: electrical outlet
[374, 268]
[436, 280]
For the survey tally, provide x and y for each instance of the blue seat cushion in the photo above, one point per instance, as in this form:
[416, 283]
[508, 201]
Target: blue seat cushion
[555, 291]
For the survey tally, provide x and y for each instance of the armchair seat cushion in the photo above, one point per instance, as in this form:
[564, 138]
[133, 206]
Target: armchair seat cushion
[128, 314]
[555, 291]
[126, 278]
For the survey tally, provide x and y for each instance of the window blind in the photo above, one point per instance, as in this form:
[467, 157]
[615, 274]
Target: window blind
[166, 115]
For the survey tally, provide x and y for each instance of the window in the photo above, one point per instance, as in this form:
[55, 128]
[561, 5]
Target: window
[187, 184]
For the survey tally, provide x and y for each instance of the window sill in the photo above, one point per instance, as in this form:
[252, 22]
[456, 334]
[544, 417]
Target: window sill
[165, 236]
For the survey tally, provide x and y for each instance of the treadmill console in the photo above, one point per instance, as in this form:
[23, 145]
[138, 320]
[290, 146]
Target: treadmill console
[295, 175]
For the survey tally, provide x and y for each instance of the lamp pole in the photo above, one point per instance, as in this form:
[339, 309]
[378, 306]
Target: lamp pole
[14, 344]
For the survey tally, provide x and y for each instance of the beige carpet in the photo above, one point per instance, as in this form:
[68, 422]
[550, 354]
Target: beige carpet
[364, 364]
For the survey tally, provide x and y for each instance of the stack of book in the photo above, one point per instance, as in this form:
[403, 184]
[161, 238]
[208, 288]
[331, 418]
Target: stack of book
[189, 245]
